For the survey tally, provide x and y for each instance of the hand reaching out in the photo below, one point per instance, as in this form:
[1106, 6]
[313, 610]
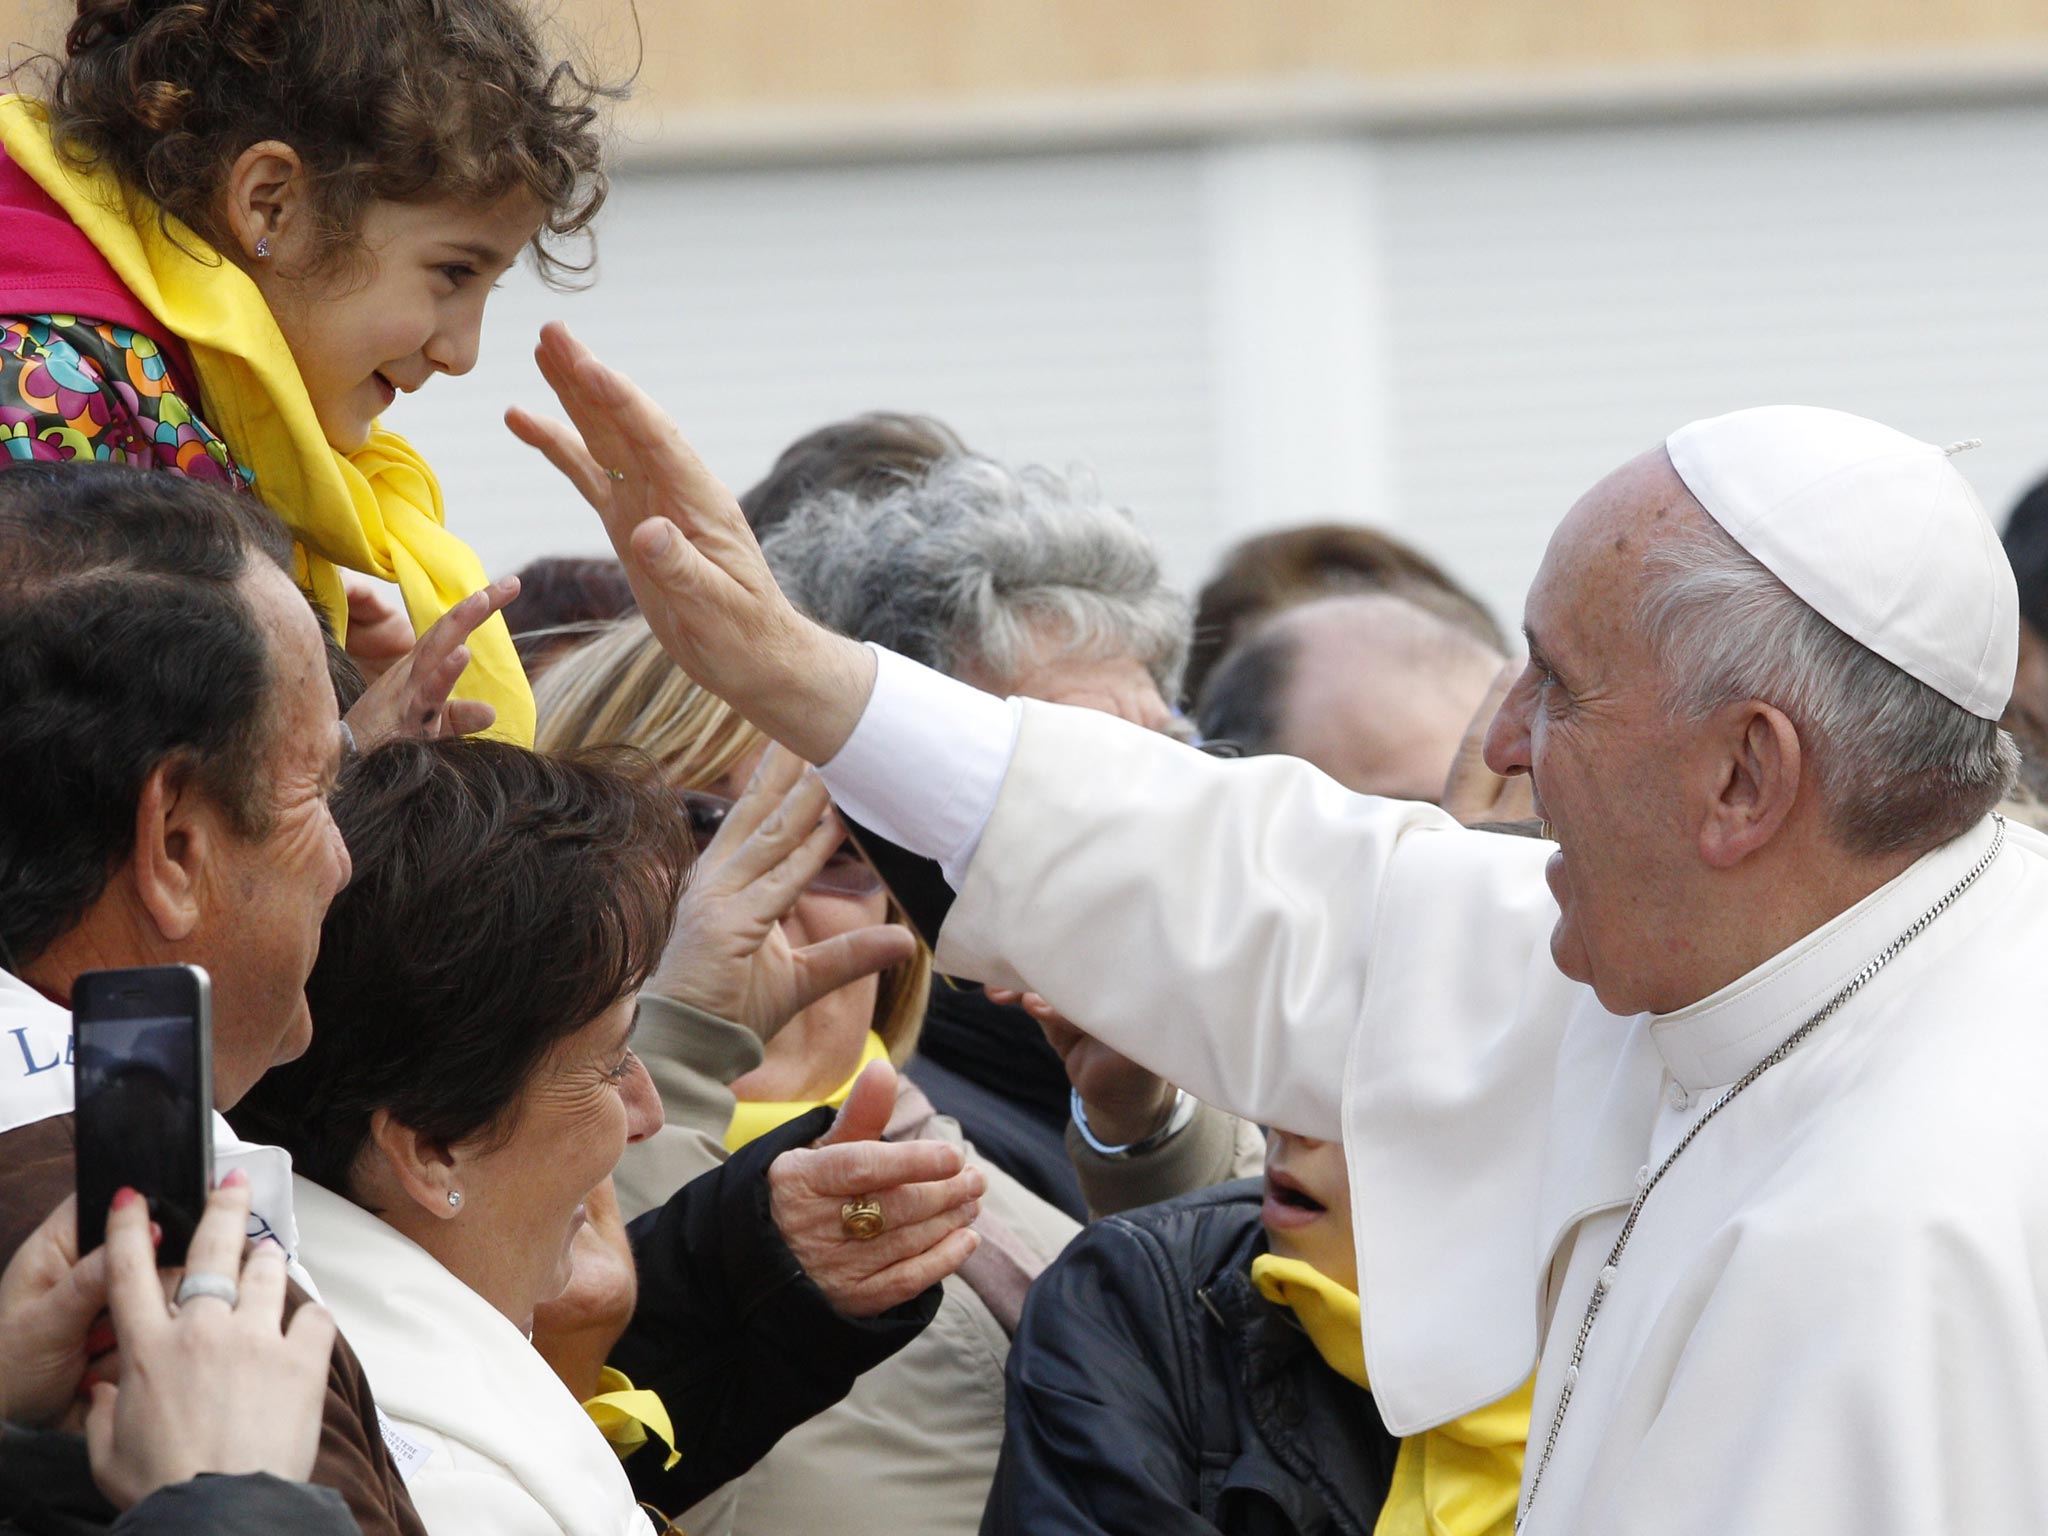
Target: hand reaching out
[693, 563]
[1474, 793]
[410, 697]
[1123, 1101]
[379, 632]
[927, 1194]
[728, 953]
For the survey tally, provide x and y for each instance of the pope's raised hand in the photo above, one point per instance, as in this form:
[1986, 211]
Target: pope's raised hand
[926, 1193]
[693, 563]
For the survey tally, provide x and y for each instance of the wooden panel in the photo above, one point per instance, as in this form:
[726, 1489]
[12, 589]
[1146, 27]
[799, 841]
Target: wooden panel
[711, 53]
[717, 55]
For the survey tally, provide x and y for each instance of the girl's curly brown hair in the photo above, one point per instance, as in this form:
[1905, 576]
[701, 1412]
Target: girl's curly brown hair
[395, 100]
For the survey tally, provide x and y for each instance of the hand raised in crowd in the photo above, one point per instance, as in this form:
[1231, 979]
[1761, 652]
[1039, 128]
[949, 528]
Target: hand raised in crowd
[410, 697]
[927, 1194]
[1124, 1102]
[575, 1332]
[728, 953]
[692, 561]
[208, 1386]
[379, 630]
[1474, 793]
[48, 1300]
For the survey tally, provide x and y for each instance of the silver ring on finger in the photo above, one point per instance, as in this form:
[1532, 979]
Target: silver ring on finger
[220, 1287]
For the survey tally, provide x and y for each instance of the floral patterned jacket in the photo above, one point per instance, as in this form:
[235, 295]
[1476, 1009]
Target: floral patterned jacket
[73, 388]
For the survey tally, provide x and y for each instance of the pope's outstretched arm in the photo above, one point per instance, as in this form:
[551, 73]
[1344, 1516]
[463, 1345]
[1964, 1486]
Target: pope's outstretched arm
[1223, 924]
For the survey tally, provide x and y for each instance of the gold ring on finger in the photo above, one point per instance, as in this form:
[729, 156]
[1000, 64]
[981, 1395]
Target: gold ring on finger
[614, 474]
[862, 1218]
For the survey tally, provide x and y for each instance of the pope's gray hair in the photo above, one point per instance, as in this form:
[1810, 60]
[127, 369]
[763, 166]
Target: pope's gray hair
[978, 565]
[1899, 765]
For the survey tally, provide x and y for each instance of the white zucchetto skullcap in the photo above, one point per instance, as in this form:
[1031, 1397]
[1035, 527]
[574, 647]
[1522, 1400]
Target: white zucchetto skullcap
[1876, 531]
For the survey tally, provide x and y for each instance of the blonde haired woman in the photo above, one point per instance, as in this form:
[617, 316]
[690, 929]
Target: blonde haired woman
[769, 1002]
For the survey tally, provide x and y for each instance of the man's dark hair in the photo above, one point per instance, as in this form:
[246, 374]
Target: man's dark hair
[501, 900]
[126, 642]
[868, 455]
[1240, 703]
[1272, 571]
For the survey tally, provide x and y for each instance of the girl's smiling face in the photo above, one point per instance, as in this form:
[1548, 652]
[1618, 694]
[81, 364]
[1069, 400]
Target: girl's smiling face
[408, 304]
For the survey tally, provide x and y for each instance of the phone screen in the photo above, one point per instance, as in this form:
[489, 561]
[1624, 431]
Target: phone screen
[144, 1081]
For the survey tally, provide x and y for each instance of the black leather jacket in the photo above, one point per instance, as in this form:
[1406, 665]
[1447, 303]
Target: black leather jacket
[1153, 1391]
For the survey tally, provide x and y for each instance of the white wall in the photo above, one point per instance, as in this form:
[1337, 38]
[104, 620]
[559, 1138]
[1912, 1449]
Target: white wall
[1561, 299]
[1449, 332]
[1050, 309]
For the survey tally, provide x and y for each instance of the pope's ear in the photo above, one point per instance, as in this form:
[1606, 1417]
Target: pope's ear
[178, 836]
[413, 1166]
[1757, 780]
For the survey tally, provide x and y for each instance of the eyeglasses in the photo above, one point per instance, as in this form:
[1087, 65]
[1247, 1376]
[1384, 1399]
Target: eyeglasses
[846, 873]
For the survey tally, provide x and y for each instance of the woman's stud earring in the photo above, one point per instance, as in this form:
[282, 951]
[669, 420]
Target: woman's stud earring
[262, 246]
[454, 1197]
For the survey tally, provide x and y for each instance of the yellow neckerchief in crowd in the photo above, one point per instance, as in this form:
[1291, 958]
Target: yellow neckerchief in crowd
[627, 1414]
[377, 510]
[757, 1117]
[1459, 1479]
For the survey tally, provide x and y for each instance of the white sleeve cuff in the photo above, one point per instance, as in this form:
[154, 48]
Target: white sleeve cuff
[925, 763]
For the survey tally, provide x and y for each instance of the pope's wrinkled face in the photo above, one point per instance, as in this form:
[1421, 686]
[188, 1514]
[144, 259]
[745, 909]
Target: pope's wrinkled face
[1587, 722]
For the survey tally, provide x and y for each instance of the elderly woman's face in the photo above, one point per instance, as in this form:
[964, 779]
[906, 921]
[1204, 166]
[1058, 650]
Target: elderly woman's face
[586, 1100]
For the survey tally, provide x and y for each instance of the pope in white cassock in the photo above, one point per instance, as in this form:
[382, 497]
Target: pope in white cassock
[1727, 1108]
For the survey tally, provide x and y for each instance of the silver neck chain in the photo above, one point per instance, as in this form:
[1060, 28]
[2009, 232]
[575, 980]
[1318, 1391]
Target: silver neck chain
[1649, 1180]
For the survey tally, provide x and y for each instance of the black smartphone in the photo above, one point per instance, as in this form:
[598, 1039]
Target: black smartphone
[917, 883]
[142, 1054]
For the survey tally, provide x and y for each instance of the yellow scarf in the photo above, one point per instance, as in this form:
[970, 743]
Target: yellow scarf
[377, 510]
[757, 1117]
[626, 1414]
[1459, 1479]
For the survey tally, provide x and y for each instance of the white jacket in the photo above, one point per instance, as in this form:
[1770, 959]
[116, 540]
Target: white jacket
[486, 1435]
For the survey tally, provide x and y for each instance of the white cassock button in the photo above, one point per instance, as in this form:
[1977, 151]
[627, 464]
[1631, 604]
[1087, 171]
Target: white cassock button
[1607, 1276]
[1571, 1376]
[1643, 1177]
[1677, 1097]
